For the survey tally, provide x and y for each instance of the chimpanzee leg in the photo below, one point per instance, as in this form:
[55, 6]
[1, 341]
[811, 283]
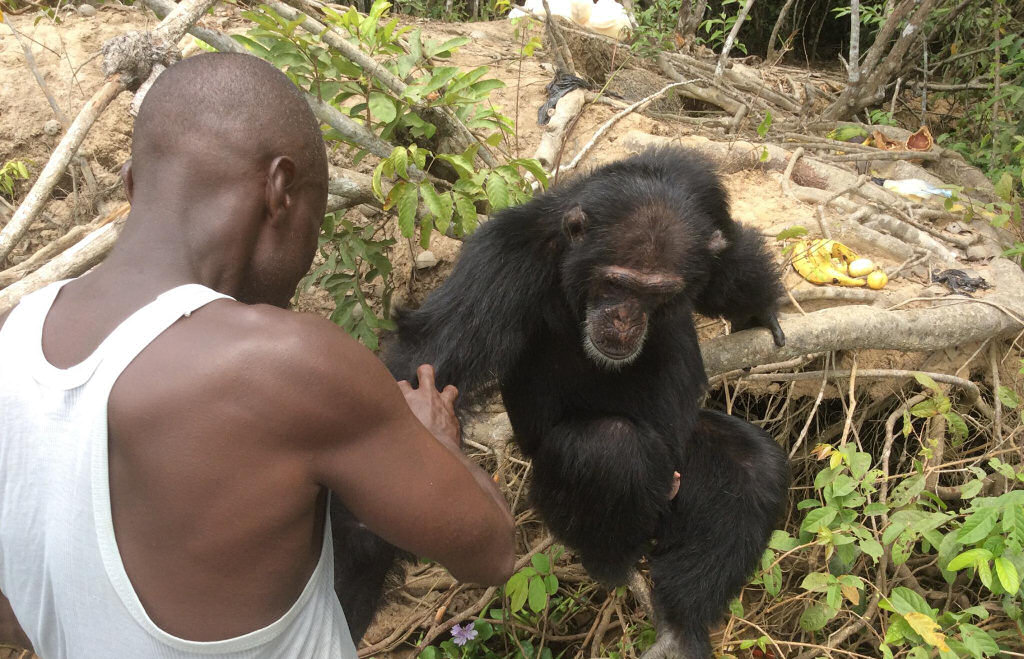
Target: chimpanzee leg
[601, 485]
[733, 490]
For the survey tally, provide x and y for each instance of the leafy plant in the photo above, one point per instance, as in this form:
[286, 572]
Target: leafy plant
[13, 170]
[717, 28]
[433, 189]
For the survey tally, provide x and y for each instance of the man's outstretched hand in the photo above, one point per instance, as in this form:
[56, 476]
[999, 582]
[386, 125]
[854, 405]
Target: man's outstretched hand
[436, 411]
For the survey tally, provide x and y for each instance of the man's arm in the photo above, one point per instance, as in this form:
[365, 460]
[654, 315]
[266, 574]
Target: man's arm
[10, 630]
[415, 490]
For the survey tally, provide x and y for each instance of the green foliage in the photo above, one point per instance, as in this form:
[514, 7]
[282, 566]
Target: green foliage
[354, 260]
[532, 594]
[716, 28]
[534, 584]
[432, 189]
[13, 170]
[852, 524]
[655, 24]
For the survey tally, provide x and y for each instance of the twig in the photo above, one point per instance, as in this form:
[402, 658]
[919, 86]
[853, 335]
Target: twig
[810, 417]
[170, 30]
[853, 402]
[788, 174]
[740, 18]
[615, 119]
[30, 60]
[878, 154]
[997, 413]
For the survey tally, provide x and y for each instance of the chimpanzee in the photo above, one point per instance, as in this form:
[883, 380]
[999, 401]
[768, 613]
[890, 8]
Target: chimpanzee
[579, 305]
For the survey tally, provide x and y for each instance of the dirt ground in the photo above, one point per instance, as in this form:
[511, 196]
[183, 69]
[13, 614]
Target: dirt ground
[67, 57]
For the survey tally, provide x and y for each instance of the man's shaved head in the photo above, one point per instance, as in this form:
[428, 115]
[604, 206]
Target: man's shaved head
[229, 174]
[223, 110]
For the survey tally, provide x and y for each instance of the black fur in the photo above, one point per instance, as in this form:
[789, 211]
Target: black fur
[604, 442]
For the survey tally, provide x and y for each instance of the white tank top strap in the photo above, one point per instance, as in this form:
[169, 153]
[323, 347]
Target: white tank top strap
[120, 347]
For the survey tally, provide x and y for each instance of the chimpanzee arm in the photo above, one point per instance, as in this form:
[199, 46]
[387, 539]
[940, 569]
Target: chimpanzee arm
[476, 324]
[744, 286]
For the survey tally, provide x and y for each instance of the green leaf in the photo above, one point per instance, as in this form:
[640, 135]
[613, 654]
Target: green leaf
[978, 641]
[382, 107]
[538, 597]
[816, 616]
[871, 547]
[977, 526]
[782, 541]
[1008, 397]
[875, 509]
[1004, 187]
[907, 490]
[843, 485]
[791, 232]
[1006, 572]
[400, 160]
[766, 123]
[541, 562]
[969, 557]
[406, 201]
[551, 584]
[818, 519]
[497, 192]
[467, 214]
[736, 607]
[905, 600]
[956, 424]
[925, 409]
[817, 582]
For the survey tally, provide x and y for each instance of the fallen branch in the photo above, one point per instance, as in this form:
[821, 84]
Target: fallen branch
[852, 327]
[71, 263]
[603, 128]
[551, 140]
[169, 31]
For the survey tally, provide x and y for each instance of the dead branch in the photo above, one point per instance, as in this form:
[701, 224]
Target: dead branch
[947, 324]
[603, 128]
[724, 55]
[706, 94]
[567, 109]
[71, 263]
[169, 31]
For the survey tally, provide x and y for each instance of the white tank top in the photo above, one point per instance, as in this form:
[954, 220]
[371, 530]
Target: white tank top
[59, 562]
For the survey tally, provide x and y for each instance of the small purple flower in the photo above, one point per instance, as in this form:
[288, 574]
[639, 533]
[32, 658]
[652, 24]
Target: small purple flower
[463, 635]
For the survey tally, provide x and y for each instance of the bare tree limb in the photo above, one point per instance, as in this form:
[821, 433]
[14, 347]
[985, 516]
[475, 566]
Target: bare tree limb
[169, 31]
[948, 324]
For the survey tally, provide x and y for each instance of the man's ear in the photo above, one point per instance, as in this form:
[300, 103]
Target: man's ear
[128, 180]
[280, 178]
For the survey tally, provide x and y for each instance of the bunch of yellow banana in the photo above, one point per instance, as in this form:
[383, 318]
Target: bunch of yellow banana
[822, 261]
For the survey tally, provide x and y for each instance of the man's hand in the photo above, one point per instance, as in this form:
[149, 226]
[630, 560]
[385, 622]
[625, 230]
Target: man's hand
[436, 411]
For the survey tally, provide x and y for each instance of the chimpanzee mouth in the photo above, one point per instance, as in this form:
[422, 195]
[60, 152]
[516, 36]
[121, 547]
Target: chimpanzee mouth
[609, 357]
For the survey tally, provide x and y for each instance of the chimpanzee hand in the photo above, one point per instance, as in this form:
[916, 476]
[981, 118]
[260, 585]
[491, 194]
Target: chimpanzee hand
[436, 411]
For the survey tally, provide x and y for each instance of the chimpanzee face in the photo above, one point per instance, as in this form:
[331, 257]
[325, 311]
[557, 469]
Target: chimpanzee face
[622, 293]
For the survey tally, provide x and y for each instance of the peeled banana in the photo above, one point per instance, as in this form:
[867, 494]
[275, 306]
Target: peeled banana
[824, 261]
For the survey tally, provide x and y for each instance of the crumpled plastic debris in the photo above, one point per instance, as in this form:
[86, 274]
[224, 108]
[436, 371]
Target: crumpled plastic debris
[959, 281]
[562, 84]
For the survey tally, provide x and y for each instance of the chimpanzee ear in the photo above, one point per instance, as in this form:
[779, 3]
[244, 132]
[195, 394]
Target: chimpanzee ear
[574, 224]
[718, 243]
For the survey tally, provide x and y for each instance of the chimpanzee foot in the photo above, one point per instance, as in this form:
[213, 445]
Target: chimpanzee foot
[666, 647]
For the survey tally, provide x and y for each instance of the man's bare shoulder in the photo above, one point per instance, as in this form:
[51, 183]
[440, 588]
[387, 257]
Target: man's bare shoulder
[283, 368]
